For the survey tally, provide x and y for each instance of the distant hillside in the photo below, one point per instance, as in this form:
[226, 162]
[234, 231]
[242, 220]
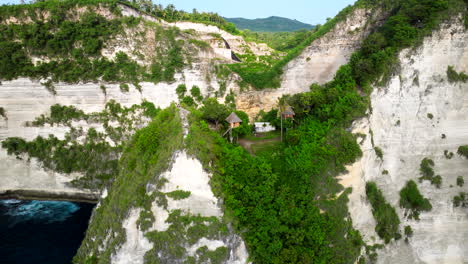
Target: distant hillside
[269, 24]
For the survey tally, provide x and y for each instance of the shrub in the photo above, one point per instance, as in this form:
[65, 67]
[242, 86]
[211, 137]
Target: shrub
[3, 112]
[460, 200]
[179, 194]
[196, 93]
[124, 88]
[430, 116]
[411, 199]
[460, 181]
[408, 231]
[463, 151]
[378, 152]
[454, 76]
[384, 214]
[103, 89]
[49, 85]
[181, 90]
[188, 101]
[385, 172]
[448, 155]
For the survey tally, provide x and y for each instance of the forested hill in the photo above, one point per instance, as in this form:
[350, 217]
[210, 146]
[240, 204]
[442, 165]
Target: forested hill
[269, 24]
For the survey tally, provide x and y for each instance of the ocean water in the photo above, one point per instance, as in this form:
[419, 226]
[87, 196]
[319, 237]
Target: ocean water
[41, 232]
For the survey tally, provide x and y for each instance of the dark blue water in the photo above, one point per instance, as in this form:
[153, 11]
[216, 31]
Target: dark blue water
[41, 232]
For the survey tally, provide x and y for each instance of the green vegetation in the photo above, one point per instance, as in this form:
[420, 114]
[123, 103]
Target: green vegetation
[184, 231]
[196, 93]
[145, 157]
[262, 76]
[427, 172]
[269, 24]
[3, 113]
[179, 195]
[124, 88]
[430, 116]
[411, 199]
[277, 199]
[281, 41]
[49, 85]
[73, 48]
[448, 155]
[181, 90]
[171, 14]
[463, 151]
[408, 233]
[454, 76]
[378, 152]
[94, 156]
[460, 200]
[385, 215]
[460, 181]
[408, 23]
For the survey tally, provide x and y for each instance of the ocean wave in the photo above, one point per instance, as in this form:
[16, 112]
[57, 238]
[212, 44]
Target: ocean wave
[43, 211]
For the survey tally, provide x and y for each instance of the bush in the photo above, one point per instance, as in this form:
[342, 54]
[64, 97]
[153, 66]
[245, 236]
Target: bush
[385, 215]
[49, 85]
[378, 152]
[411, 199]
[188, 101]
[430, 116]
[124, 88]
[454, 76]
[460, 181]
[3, 113]
[196, 93]
[460, 200]
[179, 194]
[463, 151]
[408, 231]
[181, 90]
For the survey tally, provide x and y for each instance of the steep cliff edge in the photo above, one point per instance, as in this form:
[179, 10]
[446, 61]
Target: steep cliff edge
[419, 114]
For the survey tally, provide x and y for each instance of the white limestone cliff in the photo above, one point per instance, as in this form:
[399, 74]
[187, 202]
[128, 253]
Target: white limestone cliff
[402, 129]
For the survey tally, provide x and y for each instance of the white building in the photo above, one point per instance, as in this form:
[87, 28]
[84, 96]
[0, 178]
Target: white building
[262, 127]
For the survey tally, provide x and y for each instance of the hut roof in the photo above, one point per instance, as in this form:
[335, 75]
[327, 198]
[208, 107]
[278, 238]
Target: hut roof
[233, 118]
[288, 111]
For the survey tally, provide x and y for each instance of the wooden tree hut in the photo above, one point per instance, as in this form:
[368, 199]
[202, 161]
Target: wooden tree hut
[233, 120]
[288, 112]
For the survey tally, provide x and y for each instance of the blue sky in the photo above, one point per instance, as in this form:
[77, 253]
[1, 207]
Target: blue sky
[308, 11]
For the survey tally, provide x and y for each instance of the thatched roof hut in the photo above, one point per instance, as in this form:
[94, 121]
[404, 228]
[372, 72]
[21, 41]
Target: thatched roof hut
[288, 112]
[233, 120]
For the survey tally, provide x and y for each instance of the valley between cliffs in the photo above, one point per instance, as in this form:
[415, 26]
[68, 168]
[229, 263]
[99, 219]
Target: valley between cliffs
[163, 207]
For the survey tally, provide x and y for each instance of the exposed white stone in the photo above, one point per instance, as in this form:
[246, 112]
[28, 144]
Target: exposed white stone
[136, 244]
[402, 129]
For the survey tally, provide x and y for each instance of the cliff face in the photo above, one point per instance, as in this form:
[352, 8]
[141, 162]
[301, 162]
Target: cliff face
[317, 63]
[401, 126]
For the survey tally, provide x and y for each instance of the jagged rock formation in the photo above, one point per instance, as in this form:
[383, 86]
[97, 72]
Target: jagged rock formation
[399, 123]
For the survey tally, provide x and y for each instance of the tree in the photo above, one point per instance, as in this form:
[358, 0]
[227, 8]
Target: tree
[196, 93]
[213, 111]
[181, 90]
